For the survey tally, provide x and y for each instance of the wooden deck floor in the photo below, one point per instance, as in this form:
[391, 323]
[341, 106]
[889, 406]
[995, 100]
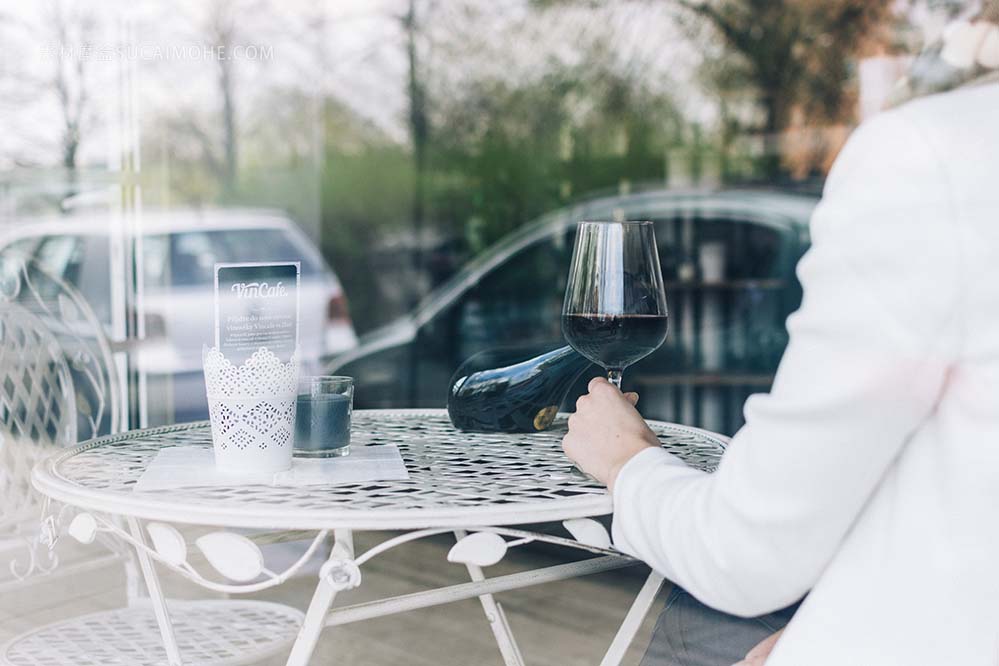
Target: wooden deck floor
[556, 624]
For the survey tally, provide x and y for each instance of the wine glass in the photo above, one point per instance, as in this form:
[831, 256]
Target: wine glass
[614, 311]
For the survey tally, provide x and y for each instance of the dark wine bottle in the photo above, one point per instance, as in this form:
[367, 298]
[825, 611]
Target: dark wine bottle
[524, 397]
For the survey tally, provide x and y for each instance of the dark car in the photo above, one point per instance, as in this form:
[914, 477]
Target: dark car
[728, 259]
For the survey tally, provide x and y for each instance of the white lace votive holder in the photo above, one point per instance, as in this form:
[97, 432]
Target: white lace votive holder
[252, 410]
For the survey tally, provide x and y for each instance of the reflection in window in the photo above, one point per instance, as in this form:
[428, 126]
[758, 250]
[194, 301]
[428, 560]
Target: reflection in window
[59, 256]
[192, 259]
[187, 259]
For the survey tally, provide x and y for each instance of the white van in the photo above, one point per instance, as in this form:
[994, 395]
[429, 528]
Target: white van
[179, 251]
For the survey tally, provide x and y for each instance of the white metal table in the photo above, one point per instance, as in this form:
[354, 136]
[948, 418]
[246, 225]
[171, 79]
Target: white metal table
[477, 486]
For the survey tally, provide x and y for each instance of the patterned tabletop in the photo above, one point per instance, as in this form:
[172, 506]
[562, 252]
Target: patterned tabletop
[457, 479]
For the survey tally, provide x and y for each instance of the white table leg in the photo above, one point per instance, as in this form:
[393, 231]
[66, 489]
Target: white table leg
[322, 600]
[497, 619]
[633, 620]
[156, 595]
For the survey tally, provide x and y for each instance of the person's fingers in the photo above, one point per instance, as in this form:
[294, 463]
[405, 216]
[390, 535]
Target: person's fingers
[598, 382]
[632, 397]
[568, 445]
[605, 391]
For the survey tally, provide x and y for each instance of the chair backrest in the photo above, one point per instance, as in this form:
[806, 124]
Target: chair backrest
[58, 384]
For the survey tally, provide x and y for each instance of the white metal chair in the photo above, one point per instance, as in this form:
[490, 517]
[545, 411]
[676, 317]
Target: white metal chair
[58, 386]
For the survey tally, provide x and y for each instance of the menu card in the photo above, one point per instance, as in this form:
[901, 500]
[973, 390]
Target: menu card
[257, 305]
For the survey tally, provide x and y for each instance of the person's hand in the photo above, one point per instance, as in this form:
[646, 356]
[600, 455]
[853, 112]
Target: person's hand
[606, 431]
[758, 655]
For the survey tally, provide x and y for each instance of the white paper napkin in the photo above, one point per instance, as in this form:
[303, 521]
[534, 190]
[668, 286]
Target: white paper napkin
[187, 466]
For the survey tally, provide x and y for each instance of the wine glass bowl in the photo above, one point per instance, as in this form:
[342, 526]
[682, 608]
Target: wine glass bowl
[614, 311]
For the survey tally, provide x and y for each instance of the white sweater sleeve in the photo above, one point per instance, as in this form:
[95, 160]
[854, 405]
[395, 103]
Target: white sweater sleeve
[867, 358]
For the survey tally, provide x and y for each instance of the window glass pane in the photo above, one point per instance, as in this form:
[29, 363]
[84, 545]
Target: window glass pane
[428, 163]
[266, 245]
[155, 253]
[59, 256]
[94, 277]
[23, 246]
[407, 153]
[193, 256]
[519, 301]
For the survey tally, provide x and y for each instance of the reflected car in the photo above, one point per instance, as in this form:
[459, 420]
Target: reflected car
[728, 260]
[179, 251]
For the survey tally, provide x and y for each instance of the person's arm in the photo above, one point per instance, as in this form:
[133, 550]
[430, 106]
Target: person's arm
[867, 360]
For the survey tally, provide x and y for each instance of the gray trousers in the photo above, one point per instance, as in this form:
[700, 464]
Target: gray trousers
[688, 633]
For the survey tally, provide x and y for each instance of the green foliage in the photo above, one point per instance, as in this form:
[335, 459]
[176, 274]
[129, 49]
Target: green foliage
[364, 196]
[506, 154]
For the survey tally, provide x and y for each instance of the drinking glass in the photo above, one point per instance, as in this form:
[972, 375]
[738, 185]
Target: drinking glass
[614, 311]
[322, 416]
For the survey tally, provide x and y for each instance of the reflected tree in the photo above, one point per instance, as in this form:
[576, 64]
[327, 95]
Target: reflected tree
[69, 82]
[63, 34]
[535, 110]
[795, 55]
[209, 135]
[221, 32]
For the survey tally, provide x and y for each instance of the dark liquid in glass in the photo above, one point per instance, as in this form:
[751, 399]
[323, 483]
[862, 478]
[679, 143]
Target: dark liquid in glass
[322, 424]
[615, 341]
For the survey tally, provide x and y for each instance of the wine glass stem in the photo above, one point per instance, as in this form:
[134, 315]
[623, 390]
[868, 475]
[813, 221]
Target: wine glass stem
[614, 375]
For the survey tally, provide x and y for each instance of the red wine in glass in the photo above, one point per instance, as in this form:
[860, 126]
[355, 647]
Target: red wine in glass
[615, 304]
[615, 341]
